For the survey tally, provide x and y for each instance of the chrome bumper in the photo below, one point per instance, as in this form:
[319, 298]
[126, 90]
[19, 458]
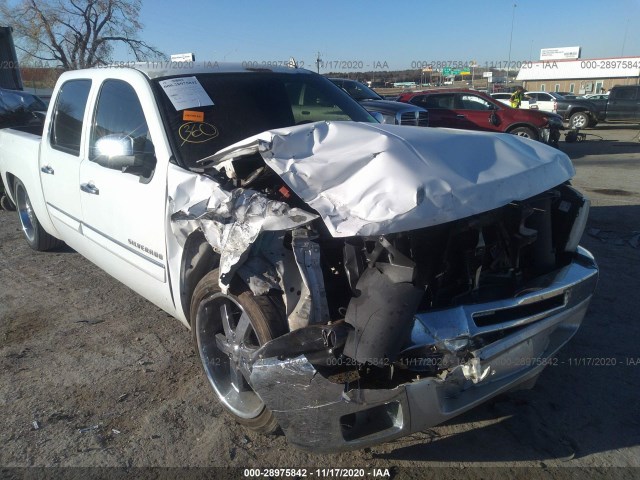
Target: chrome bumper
[313, 411]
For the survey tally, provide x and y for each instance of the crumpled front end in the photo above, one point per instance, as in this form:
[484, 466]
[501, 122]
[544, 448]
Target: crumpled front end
[453, 360]
[418, 277]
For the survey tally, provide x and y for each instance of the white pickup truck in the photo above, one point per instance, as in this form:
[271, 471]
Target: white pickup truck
[349, 281]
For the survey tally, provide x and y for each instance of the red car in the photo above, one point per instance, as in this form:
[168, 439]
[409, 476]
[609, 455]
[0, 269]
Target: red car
[473, 110]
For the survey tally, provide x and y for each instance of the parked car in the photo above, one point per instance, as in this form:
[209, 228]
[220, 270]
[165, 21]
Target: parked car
[393, 112]
[472, 110]
[579, 113]
[502, 97]
[349, 281]
[622, 105]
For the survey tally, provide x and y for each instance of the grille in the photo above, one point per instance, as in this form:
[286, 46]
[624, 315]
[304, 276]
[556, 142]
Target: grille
[420, 119]
[484, 319]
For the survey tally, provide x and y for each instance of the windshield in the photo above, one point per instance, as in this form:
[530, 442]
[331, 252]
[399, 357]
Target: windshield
[360, 91]
[238, 105]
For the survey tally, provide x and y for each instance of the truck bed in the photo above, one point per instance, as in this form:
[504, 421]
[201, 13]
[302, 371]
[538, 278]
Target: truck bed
[19, 158]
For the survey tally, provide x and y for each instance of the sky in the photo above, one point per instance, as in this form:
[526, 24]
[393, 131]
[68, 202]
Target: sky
[377, 35]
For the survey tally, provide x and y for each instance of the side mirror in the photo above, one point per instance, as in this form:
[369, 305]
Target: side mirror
[117, 152]
[114, 151]
[494, 119]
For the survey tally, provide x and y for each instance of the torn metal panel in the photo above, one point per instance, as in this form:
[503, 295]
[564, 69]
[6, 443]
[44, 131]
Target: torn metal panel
[368, 179]
[474, 371]
[232, 221]
[184, 190]
[309, 407]
[315, 340]
[190, 192]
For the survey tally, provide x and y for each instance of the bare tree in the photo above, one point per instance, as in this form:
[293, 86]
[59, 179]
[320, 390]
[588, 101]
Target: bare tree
[76, 33]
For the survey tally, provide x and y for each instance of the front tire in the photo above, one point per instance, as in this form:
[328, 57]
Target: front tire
[579, 120]
[223, 325]
[525, 132]
[36, 236]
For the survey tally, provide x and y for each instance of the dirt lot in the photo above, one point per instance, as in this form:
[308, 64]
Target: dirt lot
[94, 375]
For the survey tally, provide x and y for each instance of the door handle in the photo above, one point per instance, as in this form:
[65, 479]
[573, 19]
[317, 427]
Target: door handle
[47, 169]
[460, 116]
[89, 188]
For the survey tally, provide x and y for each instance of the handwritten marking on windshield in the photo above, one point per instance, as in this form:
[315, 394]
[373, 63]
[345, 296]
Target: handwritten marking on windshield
[197, 132]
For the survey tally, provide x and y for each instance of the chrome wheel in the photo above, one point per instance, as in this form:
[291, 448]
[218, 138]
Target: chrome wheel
[25, 211]
[524, 132]
[579, 120]
[224, 334]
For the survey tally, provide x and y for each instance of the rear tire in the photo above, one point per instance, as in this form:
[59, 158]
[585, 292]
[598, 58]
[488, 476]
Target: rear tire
[219, 327]
[36, 236]
[579, 120]
[525, 132]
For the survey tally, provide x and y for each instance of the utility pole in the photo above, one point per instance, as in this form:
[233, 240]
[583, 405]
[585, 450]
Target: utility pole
[513, 16]
[473, 65]
[624, 38]
[318, 62]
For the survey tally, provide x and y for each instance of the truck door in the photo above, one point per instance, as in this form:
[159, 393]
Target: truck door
[123, 189]
[624, 104]
[61, 156]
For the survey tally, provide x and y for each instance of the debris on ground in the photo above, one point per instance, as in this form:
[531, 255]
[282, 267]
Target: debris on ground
[88, 429]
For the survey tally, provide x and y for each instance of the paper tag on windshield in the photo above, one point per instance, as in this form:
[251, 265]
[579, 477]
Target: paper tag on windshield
[192, 116]
[185, 92]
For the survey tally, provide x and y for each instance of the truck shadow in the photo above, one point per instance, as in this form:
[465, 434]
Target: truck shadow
[594, 147]
[64, 248]
[584, 403]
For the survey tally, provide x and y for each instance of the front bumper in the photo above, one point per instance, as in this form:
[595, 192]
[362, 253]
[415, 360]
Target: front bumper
[324, 415]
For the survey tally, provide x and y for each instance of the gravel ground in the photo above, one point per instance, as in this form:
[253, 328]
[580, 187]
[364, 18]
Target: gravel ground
[93, 375]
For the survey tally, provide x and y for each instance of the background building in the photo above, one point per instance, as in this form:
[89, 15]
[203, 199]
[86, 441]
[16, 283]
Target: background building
[580, 76]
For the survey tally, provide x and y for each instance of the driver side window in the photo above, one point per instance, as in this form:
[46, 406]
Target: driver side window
[120, 137]
[472, 102]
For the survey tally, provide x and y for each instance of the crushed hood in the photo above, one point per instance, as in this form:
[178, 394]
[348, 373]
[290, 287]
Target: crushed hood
[369, 179]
